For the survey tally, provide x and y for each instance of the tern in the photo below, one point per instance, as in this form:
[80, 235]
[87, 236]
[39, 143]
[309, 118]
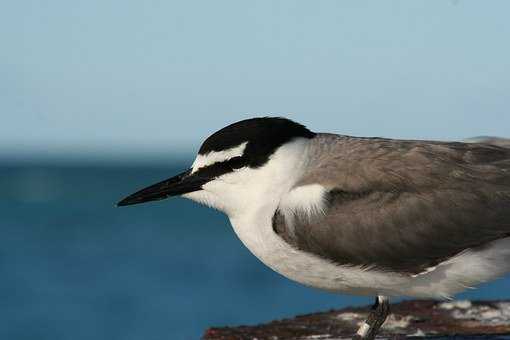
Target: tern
[365, 216]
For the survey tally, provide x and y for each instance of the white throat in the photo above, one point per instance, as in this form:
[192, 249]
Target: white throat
[250, 196]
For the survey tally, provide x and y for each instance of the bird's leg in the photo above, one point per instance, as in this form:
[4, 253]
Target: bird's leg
[375, 319]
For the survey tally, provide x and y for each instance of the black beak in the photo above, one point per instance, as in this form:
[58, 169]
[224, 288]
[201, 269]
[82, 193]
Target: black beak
[178, 185]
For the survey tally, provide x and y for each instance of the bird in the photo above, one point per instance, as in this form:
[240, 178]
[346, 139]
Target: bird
[357, 215]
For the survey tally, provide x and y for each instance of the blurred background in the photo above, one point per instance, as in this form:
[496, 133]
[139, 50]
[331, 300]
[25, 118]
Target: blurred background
[100, 98]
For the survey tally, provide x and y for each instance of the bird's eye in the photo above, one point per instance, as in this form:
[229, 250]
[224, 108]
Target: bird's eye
[236, 162]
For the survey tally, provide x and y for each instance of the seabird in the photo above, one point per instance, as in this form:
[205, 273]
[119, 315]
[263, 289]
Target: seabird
[366, 216]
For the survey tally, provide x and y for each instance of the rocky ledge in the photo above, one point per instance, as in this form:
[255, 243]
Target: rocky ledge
[417, 318]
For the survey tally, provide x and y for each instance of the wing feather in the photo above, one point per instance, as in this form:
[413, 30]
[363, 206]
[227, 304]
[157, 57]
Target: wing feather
[403, 206]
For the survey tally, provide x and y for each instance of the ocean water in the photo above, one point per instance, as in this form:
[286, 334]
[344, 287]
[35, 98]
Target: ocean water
[73, 266]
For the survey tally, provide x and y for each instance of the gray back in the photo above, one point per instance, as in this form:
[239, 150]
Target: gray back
[402, 206]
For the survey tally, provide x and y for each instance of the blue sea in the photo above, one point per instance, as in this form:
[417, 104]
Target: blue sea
[73, 266]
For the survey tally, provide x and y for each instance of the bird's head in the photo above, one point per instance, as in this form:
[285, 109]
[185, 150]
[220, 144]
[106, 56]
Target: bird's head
[236, 163]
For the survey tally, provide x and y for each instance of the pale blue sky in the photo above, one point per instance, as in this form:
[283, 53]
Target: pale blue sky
[139, 76]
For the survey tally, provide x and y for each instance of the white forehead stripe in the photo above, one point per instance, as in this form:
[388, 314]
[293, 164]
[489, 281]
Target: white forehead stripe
[218, 156]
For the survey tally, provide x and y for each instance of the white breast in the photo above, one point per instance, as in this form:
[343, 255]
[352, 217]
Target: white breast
[250, 197]
[272, 186]
[448, 278]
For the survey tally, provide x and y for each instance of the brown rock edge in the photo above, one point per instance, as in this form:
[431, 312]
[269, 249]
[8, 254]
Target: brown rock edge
[418, 318]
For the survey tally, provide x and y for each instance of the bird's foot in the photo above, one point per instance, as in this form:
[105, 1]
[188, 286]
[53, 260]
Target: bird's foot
[375, 319]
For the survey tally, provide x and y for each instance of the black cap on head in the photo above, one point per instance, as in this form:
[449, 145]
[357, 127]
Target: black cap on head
[264, 136]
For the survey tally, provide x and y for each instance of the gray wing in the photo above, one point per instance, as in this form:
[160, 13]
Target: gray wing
[402, 206]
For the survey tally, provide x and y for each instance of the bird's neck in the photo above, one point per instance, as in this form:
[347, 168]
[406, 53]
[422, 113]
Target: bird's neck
[255, 206]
